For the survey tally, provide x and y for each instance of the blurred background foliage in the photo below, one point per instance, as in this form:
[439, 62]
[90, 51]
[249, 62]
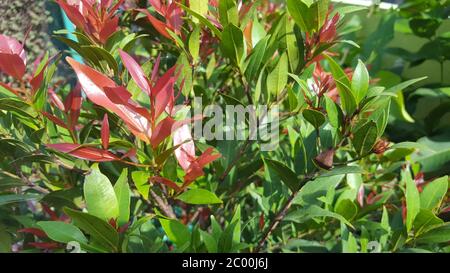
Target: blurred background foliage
[404, 43]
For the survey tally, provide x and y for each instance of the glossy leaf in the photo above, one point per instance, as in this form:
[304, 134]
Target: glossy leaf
[123, 195]
[314, 117]
[360, 82]
[412, 199]
[199, 197]
[101, 200]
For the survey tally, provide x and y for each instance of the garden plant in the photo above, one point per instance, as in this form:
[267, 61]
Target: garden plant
[225, 126]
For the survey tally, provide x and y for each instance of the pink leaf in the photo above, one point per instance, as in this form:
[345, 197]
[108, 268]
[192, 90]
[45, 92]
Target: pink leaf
[84, 152]
[166, 182]
[186, 152]
[105, 132]
[12, 65]
[55, 120]
[136, 71]
[95, 84]
[158, 25]
[73, 13]
[56, 100]
[162, 131]
[162, 92]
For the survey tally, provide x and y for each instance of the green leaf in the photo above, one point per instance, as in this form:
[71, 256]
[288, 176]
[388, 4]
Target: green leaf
[100, 197]
[364, 138]
[317, 188]
[200, 7]
[277, 78]
[199, 197]
[433, 193]
[285, 173]
[438, 234]
[360, 82]
[334, 112]
[15, 198]
[203, 20]
[140, 179]
[210, 242]
[412, 199]
[349, 244]
[194, 43]
[255, 59]
[301, 14]
[316, 118]
[231, 235]
[292, 47]
[185, 74]
[101, 232]
[320, 9]
[337, 72]
[232, 44]
[304, 214]
[348, 101]
[343, 84]
[347, 208]
[403, 85]
[424, 220]
[341, 170]
[123, 195]
[62, 232]
[292, 98]
[228, 12]
[8, 182]
[177, 232]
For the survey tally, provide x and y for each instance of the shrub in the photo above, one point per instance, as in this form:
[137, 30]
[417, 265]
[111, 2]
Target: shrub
[115, 162]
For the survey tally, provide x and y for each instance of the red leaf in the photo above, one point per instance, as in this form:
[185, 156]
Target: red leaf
[13, 58]
[45, 245]
[35, 231]
[12, 65]
[108, 28]
[73, 104]
[162, 92]
[207, 157]
[194, 172]
[165, 128]
[196, 167]
[173, 17]
[131, 153]
[94, 84]
[83, 152]
[136, 71]
[158, 25]
[105, 132]
[261, 221]
[158, 6]
[56, 100]
[54, 119]
[155, 69]
[73, 13]
[162, 131]
[165, 181]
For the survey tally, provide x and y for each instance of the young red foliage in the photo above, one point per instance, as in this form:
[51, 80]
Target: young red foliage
[13, 59]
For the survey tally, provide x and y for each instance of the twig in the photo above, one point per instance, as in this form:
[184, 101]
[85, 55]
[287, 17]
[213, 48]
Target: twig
[282, 213]
[163, 205]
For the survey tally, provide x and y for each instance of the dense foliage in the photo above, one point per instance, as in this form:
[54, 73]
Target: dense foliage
[111, 162]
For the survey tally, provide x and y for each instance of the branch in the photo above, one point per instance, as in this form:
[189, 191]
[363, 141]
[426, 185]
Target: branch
[163, 205]
[282, 213]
